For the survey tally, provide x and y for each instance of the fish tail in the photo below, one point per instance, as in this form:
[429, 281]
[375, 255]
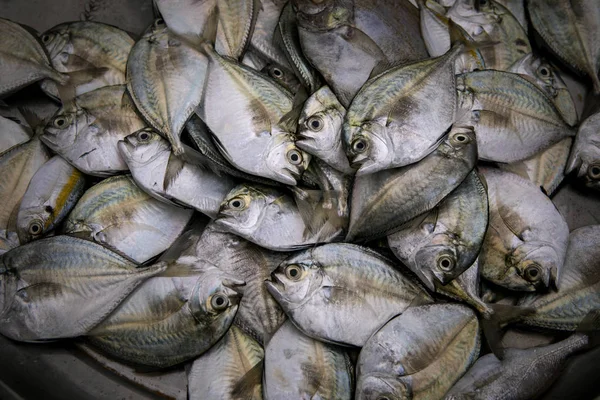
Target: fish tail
[493, 327]
[245, 387]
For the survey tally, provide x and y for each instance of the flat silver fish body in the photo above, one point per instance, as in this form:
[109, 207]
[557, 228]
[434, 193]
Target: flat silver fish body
[520, 375]
[117, 213]
[262, 41]
[342, 293]
[62, 287]
[382, 202]
[12, 133]
[190, 19]
[86, 132]
[419, 354]
[299, 367]
[517, 9]
[434, 27]
[218, 373]
[585, 153]
[512, 117]
[579, 290]
[173, 179]
[170, 319]
[526, 241]
[398, 117]
[50, 196]
[449, 239]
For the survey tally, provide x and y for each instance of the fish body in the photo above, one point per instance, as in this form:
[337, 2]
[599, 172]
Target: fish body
[13, 133]
[342, 293]
[190, 19]
[50, 196]
[585, 153]
[117, 213]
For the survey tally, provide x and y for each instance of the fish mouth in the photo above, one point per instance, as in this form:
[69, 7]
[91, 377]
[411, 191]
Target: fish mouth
[45, 138]
[124, 148]
[274, 285]
[366, 168]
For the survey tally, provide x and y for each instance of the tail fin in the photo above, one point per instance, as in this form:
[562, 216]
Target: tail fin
[493, 327]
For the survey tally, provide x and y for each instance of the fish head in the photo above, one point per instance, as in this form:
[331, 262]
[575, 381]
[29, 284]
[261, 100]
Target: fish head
[244, 207]
[322, 14]
[368, 147]
[588, 170]
[142, 147]
[64, 128]
[378, 386]
[294, 281]
[592, 176]
[536, 266]
[283, 76]
[32, 223]
[57, 42]
[474, 15]
[285, 162]
[438, 261]
[461, 144]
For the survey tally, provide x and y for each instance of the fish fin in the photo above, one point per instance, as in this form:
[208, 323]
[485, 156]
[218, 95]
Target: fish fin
[574, 160]
[591, 322]
[493, 326]
[86, 236]
[66, 88]
[174, 167]
[319, 220]
[511, 220]
[180, 268]
[245, 387]
[290, 120]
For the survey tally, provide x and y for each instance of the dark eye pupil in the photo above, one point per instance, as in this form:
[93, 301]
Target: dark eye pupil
[45, 38]
[460, 138]
[533, 272]
[315, 123]
[276, 72]
[294, 157]
[445, 263]
[544, 71]
[35, 228]
[220, 301]
[236, 204]
[60, 122]
[360, 145]
[595, 170]
[293, 272]
[144, 136]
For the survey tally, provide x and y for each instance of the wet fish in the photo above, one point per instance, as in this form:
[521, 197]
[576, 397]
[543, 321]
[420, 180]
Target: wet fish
[254, 141]
[220, 373]
[170, 319]
[435, 27]
[165, 76]
[522, 374]
[398, 117]
[236, 26]
[298, 367]
[513, 118]
[526, 241]
[262, 41]
[320, 129]
[52, 193]
[585, 153]
[517, 9]
[23, 59]
[93, 53]
[180, 180]
[190, 19]
[419, 354]
[579, 293]
[13, 133]
[572, 30]
[382, 202]
[448, 240]
[86, 132]
[62, 287]
[342, 293]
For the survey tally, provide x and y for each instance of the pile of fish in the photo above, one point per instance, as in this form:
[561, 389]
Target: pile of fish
[313, 199]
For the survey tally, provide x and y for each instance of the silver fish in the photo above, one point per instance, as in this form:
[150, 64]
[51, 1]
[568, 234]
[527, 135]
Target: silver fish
[382, 202]
[418, 355]
[262, 41]
[435, 27]
[237, 19]
[181, 180]
[170, 319]
[526, 241]
[220, 373]
[522, 374]
[86, 132]
[190, 19]
[50, 196]
[449, 239]
[512, 117]
[585, 153]
[62, 287]
[398, 117]
[517, 9]
[342, 293]
[14, 128]
[299, 367]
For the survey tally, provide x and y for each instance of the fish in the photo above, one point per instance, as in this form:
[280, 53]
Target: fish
[52, 193]
[397, 118]
[262, 43]
[578, 296]
[254, 141]
[584, 159]
[320, 129]
[299, 367]
[192, 20]
[517, 9]
[184, 180]
[449, 238]
[222, 371]
[435, 27]
[419, 354]
[165, 76]
[347, 41]
[120, 215]
[170, 319]
[13, 133]
[62, 286]
[86, 132]
[383, 202]
[512, 117]
[92, 52]
[272, 219]
[526, 241]
[342, 293]
[284, 76]
[571, 29]
[237, 19]
[522, 373]
[23, 59]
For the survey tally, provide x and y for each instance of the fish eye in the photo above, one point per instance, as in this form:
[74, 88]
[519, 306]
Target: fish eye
[35, 227]
[219, 301]
[294, 157]
[360, 145]
[594, 172]
[544, 71]
[60, 122]
[293, 272]
[533, 273]
[460, 138]
[159, 23]
[446, 263]
[45, 38]
[277, 72]
[315, 123]
[144, 136]
[237, 203]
